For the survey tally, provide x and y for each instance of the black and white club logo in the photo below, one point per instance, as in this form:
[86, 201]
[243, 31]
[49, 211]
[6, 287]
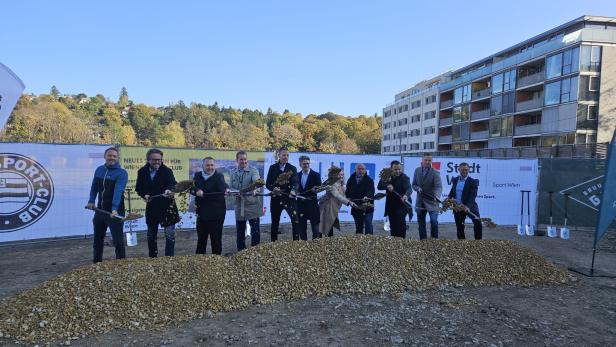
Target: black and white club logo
[26, 191]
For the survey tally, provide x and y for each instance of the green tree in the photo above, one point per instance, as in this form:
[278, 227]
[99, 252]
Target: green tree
[123, 101]
[171, 135]
[55, 93]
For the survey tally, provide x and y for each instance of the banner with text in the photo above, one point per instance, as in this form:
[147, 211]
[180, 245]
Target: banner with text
[184, 163]
[500, 183]
[321, 162]
[44, 188]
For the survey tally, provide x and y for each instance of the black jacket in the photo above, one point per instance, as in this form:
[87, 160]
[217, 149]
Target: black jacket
[469, 192]
[309, 209]
[163, 180]
[210, 207]
[272, 175]
[393, 203]
[358, 191]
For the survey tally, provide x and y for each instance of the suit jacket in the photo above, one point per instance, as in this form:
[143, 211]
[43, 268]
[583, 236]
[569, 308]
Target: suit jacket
[393, 204]
[272, 175]
[210, 207]
[358, 191]
[308, 209]
[431, 187]
[246, 207]
[469, 192]
[145, 185]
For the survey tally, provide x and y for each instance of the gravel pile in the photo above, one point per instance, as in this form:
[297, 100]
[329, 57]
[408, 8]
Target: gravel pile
[143, 293]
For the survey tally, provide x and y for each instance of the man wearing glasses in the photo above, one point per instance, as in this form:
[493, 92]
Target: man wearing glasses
[155, 181]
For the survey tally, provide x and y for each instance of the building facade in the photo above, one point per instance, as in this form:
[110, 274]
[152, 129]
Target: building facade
[557, 88]
[410, 123]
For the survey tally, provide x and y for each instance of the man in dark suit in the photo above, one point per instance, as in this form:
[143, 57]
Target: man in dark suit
[464, 190]
[396, 206]
[283, 198]
[360, 188]
[308, 209]
[154, 178]
[209, 190]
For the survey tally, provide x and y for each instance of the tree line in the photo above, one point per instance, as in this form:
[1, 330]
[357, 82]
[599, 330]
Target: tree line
[57, 118]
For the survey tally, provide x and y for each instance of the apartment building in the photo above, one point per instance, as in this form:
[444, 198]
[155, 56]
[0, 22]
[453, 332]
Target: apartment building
[410, 122]
[557, 88]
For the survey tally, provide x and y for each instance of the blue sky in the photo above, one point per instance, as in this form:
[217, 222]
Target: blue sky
[347, 57]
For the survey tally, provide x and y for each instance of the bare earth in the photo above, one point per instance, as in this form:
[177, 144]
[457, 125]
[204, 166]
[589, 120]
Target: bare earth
[581, 313]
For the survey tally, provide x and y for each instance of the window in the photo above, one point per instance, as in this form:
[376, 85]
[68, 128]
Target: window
[593, 86]
[497, 83]
[430, 115]
[429, 130]
[554, 66]
[591, 138]
[507, 126]
[496, 105]
[462, 94]
[386, 137]
[466, 113]
[402, 121]
[571, 60]
[590, 58]
[414, 132]
[395, 111]
[568, 91]
[587, 84]
[386, 149]
[405, 108]
[457, 114]
[416, 118]
[428, 145]
[593, 112]
[552, 93]
[386, 114]
[404, 147]
[509, 80]
[495, 127]
[415, 104]
[460, 132]
[508, 103]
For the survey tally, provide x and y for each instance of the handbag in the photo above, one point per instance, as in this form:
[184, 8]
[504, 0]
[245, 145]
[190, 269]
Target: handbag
[171, 216]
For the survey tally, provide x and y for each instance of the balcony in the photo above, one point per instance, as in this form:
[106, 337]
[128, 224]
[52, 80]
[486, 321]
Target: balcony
[479, 135]
[444, 139]
[531, 79]
[481, 114]
[527, 129]
[445, 121]
[446, 104]
[480, 94]
[529, 105]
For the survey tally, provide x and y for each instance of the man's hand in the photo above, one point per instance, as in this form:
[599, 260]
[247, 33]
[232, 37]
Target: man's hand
[146, 198]
[405, 198]
[254, 192]
[352, 204]
[227, 191]
[292, 194]
[114, 213]
[168, 194]
[90, 206]
[419, 190]
[390, 188]
[365, 198]
[199, 193]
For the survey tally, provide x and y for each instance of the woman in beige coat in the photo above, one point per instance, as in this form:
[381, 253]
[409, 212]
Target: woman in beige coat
[330, 203]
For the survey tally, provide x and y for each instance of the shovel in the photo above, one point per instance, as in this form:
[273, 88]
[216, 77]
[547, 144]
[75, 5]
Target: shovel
[551, 228]
[520, 226]
[564, 231]
[530, 229]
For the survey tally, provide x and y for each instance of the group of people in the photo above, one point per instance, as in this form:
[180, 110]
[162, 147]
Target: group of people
[296, 193]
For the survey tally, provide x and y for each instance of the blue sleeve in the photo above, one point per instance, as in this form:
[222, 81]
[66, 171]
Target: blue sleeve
[93, 191]
[120, 185]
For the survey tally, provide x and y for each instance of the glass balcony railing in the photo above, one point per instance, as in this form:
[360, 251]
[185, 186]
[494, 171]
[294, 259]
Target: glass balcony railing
[527, 129]
[445, 121]
[529, 105]
[531, 79]
[479, 135]
[446, 104]
[482, 114]
[481, 93]
[444, 139]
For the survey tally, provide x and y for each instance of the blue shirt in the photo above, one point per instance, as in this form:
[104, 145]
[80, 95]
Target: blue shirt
[304, 178]
[459, 189]
[152, 173]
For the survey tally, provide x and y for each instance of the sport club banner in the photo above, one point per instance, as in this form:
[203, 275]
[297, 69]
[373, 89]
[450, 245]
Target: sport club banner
[184, 163]
[500, 183]
[321, 162]
[44, 188]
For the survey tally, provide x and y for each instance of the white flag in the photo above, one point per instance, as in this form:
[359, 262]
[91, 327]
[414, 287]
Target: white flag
[11, 88]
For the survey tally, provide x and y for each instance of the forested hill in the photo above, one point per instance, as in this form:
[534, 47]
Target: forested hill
[57, 118]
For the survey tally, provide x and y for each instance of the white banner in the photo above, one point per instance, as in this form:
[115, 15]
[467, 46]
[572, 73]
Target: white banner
[10, 91]
[321, 162]
[500, 183]
[44, 188]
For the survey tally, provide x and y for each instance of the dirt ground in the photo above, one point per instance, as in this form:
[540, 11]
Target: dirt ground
[580, 313]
